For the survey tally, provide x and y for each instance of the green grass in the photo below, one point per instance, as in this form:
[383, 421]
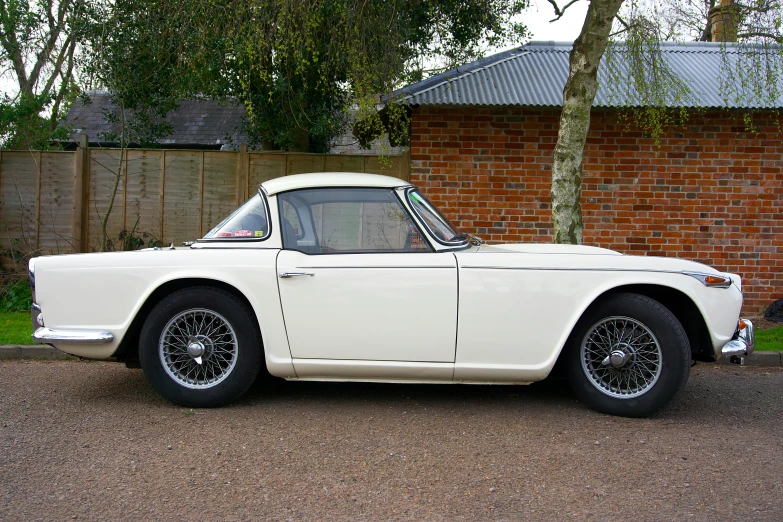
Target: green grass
[770, 340]
[15, 328]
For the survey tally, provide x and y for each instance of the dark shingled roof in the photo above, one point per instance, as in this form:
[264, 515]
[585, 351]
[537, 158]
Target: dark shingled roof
[195, 123]
[535, 74]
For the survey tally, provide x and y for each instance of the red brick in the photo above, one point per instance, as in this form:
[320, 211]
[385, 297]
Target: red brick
[709, 191]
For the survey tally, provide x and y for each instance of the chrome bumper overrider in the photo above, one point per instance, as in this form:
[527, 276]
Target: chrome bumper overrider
[44, 335]
[742, 344]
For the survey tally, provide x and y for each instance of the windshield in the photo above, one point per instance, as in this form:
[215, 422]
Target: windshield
[247, 222]
[436, 223]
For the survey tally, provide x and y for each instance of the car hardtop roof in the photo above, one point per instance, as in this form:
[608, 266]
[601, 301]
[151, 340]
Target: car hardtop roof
[331, 179]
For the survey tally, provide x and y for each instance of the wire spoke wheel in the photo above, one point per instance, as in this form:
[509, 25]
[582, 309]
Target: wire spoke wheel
[198, 348]
[621, 357]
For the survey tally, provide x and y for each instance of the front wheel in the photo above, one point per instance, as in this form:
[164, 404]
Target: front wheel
[628, 356]
[200, 347]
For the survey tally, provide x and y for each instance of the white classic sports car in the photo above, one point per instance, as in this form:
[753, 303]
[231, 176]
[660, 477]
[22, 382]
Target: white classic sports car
[357, 277]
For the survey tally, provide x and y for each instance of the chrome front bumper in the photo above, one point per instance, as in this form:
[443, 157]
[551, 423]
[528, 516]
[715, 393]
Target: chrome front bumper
[742, 344]
[44, 335]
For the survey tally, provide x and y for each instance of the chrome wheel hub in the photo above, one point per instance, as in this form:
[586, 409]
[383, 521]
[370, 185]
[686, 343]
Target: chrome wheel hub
[617, 358]
[621, 357]
[198, 348]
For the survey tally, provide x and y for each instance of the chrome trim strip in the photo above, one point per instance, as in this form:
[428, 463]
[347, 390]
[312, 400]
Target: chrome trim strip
[573, 269]
[497, 252]
[383, 266]
[74, 336]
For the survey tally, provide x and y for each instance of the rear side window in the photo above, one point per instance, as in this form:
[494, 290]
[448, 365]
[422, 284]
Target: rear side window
[250, 221]
[347, 220]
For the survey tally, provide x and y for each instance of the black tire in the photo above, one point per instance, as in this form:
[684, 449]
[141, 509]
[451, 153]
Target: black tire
[220, 329]
[651, 361]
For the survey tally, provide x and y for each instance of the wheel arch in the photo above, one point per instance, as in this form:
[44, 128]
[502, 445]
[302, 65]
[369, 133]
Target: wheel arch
[678, 302]
[684, 309]
[128, 349]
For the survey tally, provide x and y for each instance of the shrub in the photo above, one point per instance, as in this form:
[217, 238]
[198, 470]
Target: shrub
[15, 295]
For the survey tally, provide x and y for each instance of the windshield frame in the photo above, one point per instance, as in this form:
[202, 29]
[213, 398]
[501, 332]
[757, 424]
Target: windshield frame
[463, 241]
[262, 194]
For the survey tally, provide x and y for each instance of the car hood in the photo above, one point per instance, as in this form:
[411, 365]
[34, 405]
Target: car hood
[577, 257]
[533, 248]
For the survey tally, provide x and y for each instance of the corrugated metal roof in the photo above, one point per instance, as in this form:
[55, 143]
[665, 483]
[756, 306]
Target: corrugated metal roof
[535, 74]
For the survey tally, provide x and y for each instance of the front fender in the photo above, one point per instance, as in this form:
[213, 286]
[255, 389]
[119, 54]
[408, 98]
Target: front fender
[517, 320]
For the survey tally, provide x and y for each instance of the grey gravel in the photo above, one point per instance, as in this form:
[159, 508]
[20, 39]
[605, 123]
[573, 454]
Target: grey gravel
[92, 441]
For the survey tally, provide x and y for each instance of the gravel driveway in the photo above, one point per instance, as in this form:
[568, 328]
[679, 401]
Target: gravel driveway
[92, 441]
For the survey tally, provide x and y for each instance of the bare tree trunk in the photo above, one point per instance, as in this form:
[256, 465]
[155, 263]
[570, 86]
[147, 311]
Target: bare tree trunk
[578, 97]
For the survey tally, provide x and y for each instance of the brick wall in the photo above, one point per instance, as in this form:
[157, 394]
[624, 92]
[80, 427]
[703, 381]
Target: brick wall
[711, 192]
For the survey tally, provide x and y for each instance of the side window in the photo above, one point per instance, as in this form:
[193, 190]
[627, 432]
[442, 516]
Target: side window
[291, 216]
[348, 220]
[247, 222]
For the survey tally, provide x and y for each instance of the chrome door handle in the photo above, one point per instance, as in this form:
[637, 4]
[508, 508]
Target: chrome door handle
[295, 274]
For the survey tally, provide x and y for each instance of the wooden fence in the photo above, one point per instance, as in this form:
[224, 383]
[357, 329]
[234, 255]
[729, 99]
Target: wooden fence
[53, 202]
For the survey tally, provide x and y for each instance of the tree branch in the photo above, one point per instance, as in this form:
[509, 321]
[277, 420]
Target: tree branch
[761, 34]
[64, 51]
[558, 11]
[55, 27]
[66, 79]
[14, 50]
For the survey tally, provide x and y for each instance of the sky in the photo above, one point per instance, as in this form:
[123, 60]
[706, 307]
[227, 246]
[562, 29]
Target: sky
[566, 29]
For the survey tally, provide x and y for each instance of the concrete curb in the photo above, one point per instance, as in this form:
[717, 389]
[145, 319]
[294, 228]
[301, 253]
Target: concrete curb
[759, 359]
[47, 352]
[32, 352]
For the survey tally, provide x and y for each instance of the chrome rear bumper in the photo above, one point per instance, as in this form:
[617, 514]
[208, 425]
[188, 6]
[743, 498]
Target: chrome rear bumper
[44, 335]
[742, 344]
[63, 336]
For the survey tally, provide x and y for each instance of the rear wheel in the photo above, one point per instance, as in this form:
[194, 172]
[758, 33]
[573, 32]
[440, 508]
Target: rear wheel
[200, 347]
[628, 356]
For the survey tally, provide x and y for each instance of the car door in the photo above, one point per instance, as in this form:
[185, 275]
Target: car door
[358, 282]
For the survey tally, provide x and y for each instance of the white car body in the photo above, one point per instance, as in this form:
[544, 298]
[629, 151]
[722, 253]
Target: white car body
[475, 314]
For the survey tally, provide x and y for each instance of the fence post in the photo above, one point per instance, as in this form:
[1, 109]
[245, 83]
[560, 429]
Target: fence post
[201, 196]
[81, 186]
[162, 195]
[125, 194]
[38, 160]
[246, 183]
[242, 180]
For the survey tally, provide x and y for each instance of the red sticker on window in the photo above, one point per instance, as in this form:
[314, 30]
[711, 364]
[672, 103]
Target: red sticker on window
[243, 233]
[225, 234]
